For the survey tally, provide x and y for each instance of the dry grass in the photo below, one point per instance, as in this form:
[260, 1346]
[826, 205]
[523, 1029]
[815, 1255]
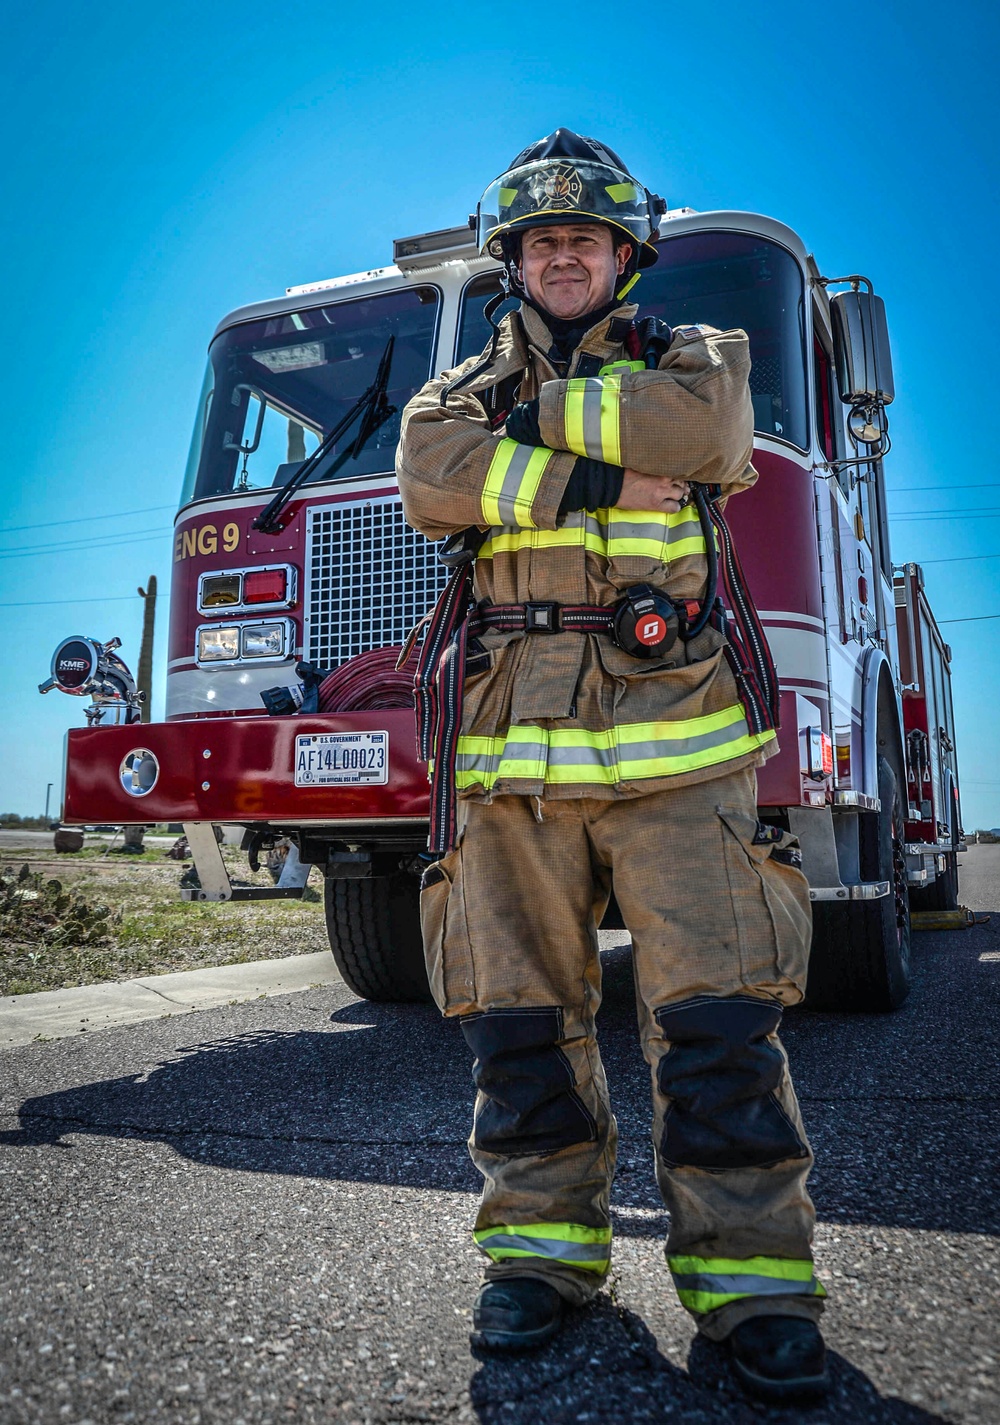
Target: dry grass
[82, 918]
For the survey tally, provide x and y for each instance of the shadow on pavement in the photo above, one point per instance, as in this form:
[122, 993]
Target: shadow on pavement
[607, 1368]
[383, 1094]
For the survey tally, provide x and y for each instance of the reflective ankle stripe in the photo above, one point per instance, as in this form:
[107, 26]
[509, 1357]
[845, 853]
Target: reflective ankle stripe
[706, 1283]
[588, 1249]
[592, 415]
[512, 483]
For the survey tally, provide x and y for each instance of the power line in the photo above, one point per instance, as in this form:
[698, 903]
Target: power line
[50, 603]
[115, 514]
[922, 489]
[949, 514]
[976, 618]
[958, 559]
[103, 542]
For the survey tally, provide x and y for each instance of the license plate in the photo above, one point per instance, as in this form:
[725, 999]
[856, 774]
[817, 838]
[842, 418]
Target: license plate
[341, 759]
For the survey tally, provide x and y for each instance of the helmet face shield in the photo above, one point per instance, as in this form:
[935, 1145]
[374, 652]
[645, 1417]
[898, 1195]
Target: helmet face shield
[565, 190]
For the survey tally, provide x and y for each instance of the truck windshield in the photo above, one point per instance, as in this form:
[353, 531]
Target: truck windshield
[725, 280]
[276, 386]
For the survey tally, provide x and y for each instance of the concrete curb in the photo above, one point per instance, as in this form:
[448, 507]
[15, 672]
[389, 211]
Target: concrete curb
[59, 1014]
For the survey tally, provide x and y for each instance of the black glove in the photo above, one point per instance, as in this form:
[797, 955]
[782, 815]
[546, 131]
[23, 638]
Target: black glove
[522, 424]
[593, 485]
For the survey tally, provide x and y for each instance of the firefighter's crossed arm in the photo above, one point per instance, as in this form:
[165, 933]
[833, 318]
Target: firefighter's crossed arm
[690, 420]
[453, 471]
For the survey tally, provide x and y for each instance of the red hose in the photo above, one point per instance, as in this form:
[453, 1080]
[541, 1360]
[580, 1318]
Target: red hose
[367, 682]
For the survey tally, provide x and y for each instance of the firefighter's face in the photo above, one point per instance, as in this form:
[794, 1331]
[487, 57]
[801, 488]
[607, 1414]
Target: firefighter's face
[571, 270]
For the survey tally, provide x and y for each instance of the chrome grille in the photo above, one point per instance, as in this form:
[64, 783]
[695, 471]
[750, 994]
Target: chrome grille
[369, 578]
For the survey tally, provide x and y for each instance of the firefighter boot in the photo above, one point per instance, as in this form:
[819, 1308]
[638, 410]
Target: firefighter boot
[780, 1358]
[516, 1314]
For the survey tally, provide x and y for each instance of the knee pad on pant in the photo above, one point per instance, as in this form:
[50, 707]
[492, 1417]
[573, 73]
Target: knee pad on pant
[721, 1076]
[531, 1106]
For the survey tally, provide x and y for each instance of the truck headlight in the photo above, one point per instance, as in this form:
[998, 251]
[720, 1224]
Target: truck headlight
[218, 644]
[264, 640]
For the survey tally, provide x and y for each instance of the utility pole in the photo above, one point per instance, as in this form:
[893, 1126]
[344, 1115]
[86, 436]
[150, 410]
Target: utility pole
[132, 839]
[144, 678]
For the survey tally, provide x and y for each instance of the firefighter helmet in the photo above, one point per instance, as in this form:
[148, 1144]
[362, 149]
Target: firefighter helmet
[566, 178]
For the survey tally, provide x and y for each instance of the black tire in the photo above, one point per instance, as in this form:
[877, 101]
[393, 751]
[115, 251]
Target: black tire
[374, 929]
[860, 959]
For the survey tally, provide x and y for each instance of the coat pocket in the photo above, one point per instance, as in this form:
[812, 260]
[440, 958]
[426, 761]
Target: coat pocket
[771, 901]
[445, 931]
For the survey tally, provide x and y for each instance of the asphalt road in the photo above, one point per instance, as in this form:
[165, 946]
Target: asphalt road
[261, 1213]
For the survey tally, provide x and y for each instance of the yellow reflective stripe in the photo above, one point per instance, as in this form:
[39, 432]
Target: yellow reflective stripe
[706, 1283]
[512, 483]
[587, 1249]
[592, 413]
[615, 533]
[619, 368]
[629, 752]
[782, 1268]
[506, 196]
[621, 192]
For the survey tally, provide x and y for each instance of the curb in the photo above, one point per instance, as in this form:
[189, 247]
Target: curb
[60, 1014]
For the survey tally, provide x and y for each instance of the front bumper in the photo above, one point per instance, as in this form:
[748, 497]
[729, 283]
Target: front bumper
[234, 769]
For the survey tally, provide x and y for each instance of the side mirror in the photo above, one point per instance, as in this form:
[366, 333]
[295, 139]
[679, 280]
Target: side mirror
[861, 349]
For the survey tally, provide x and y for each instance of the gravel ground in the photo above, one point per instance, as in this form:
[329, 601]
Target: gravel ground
[261, 1213]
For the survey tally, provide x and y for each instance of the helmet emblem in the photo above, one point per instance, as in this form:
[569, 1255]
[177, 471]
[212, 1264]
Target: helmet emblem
[559, 187]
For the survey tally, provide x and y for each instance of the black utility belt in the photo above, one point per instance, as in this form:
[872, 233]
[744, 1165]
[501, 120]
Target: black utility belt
[644, 622]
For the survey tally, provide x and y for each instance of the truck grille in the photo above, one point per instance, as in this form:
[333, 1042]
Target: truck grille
[369, 578]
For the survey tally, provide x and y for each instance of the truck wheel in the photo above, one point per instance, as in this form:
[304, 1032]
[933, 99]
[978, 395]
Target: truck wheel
[374, 930]
[860, 960]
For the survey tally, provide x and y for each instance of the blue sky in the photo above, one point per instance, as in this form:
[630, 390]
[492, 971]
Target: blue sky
[174, 162]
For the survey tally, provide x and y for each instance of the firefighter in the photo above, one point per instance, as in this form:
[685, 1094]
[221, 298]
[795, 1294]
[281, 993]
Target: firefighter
[598, 726]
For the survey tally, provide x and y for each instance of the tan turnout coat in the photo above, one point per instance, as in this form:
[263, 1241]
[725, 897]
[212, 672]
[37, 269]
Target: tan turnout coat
[570, 714]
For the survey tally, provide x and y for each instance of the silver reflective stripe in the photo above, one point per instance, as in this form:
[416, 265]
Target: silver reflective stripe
[512, 479]
[548, 1247]
[593, 392]
[724, 1285]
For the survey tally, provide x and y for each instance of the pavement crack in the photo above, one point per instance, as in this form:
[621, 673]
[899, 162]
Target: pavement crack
[147, 986]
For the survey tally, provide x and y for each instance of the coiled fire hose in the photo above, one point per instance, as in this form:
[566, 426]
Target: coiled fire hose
[366, 683]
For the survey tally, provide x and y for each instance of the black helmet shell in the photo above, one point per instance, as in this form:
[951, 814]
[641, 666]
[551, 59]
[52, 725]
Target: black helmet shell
[567, 178]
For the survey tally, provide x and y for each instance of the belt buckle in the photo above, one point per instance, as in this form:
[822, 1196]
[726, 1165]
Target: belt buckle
[541, 618]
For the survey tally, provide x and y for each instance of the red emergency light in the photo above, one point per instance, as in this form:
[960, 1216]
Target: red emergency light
[265, 586]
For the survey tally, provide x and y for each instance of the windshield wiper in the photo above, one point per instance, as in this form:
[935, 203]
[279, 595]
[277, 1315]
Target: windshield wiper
[374, 410]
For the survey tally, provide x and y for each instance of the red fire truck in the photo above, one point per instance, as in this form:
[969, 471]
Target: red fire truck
[291, 548]
[933, 810]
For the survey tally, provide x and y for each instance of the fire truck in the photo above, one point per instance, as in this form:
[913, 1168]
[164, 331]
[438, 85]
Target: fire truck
[291, 552]
[933, 809]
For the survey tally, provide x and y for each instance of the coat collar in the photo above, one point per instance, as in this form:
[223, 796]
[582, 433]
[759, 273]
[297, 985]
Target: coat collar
[595, 341]
[523, 334]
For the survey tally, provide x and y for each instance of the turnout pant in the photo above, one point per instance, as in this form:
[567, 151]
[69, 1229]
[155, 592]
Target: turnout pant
[720, 923]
